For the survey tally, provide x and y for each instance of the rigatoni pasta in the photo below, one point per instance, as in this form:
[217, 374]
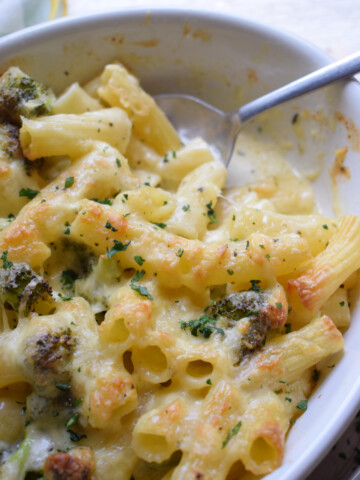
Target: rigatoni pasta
[154, 323]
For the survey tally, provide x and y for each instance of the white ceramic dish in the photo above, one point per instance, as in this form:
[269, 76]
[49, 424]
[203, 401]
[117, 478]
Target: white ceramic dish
[226, 61]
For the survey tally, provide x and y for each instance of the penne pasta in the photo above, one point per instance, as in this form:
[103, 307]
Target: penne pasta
[154, 322]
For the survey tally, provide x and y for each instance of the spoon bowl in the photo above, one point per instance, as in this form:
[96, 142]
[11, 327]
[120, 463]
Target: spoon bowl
[192, 117]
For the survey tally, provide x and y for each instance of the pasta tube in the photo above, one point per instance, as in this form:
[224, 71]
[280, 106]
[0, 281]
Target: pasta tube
[64, 134]
[121, 89]
[330, 268]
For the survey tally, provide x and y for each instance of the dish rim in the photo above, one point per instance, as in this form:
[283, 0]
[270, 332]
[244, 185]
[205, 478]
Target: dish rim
[9, 44]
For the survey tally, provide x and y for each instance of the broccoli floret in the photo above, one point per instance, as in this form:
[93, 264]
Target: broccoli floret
[47, 359]
[238, 305]
[9, 142]
[21, 288]
[16, 466]
[250, 306]
[22, 95]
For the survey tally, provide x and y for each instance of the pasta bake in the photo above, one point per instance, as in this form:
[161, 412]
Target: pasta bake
[155, 323]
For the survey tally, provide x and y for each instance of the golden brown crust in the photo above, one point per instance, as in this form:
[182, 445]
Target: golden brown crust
[63, 466]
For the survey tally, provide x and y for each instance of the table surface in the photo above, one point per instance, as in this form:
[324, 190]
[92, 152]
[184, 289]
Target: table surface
[332, 25]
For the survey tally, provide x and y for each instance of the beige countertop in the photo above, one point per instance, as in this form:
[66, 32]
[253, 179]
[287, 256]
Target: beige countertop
[330, 24]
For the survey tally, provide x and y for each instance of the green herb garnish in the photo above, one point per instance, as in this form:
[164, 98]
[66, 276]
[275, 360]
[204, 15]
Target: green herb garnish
[73, 420]
[106, 201]
[28, 192]
[118, 247]
[211, 213]
[69, 182]
[302, 405]
[74, 436]
[64, 387]
[68, 278]
[6, 263]
[255, 286]
[139, 260]
[231, 434]
[140, 288]
[110, 227]
[204, 325]
[65, 298]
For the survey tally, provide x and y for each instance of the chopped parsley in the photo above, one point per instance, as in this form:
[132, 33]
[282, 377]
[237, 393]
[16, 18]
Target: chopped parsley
[231, 434]
[186, 207]
[118, 247]
[208, 381]
[288, 399]
[139, 260]
[110, 227]
[64, 387]
[67, 278]
[315, 375]
[325, 227]
[180, 252]
[279, 305]
[118, 163]
[204, 325]
[211, 213]
[230, 272]
[342, 303]
[65, 298]
[106, 201]
[74, 436]
[302, 405]
[140, 288]
[28, 192]
[160, 224]
[69, 182]
[138, 276]
[73, 420]
[77, 402]
[255, 286]
[6, 263]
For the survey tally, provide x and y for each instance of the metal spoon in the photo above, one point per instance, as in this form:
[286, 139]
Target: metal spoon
[193, 117]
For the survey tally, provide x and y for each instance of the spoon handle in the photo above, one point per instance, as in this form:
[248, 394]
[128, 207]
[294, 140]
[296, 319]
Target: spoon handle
[335, 71]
